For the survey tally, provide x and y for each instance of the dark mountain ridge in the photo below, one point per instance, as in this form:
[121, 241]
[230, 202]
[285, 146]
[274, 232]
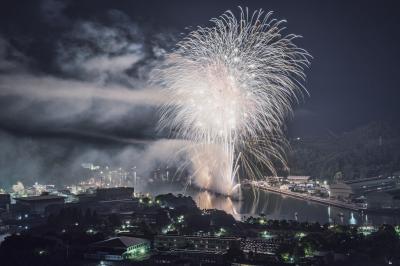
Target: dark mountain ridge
[367, 151]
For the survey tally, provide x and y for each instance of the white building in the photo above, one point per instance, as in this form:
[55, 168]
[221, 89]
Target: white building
[297, 179]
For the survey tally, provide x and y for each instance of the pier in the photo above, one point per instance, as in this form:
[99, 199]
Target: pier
[330, 202]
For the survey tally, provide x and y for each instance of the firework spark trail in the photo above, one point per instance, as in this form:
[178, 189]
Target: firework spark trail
[230, 87]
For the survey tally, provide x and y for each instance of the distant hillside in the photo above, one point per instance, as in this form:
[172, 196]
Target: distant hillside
[368, 151]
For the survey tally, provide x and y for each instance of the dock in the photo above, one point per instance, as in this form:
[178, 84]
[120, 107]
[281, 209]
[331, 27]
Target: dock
[329, 202]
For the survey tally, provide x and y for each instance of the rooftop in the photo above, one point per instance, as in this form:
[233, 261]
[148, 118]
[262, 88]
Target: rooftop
[199, 237]
[40, 198]
[120, 242]
[369, 179]
[298, 177]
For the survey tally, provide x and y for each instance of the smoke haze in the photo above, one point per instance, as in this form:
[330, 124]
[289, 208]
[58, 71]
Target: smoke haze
[85, 99]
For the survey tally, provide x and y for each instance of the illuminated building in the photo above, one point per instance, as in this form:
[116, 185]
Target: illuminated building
[189, 257]
[264, 245]
[119, 248]
[298, 179]
[195, 242]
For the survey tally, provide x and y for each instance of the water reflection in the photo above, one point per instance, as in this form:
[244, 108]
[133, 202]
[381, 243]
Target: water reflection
[352, 219]
[329, 215]
[276, 206]
[207, 200]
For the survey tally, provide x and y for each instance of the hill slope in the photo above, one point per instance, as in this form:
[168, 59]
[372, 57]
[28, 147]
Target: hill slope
[368, 151]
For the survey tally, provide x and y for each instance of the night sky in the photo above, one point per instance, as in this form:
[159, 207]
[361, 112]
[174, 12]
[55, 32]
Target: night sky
[53, 52]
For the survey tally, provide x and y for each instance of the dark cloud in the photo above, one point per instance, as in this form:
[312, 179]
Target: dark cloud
[97, 74]
[85, 98]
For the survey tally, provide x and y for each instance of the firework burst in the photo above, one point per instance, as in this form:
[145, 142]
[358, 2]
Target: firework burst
[230, 88]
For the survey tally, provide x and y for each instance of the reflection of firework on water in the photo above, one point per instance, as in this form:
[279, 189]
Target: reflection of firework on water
[230, 87]
[205, 201]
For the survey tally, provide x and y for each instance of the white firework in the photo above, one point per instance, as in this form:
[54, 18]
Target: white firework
[229, 89]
